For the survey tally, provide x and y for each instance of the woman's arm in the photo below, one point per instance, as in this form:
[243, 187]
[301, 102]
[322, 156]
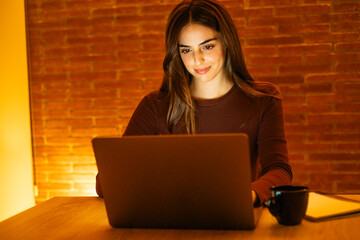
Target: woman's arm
[272, 149]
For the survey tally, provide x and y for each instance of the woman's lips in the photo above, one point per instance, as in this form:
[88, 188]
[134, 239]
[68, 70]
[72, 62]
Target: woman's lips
[202, 70]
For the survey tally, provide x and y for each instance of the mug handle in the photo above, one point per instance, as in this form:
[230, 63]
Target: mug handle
[273, 206]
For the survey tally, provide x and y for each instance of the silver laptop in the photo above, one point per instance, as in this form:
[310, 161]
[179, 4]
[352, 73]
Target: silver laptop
[177, 181]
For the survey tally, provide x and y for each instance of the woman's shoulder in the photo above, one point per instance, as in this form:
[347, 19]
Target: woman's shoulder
[267, 88]
[155, 100]
[156, 96]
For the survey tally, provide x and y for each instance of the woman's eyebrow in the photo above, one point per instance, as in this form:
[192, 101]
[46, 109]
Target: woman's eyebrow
[202, 43]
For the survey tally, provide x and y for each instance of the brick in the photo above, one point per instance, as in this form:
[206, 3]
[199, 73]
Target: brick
[70, 51]
[65, 14]
[71, 159]
[333, 37]
[335, 117]
[257, 70]
[92, 132]
[300, 128]
[67, 68]
[332, 58]
[305, 28]
[313, 167]
[291, 99]
[54, 167]
[306, 88]
[347, 67]
[346, 27]
[258, 3]
[86, 3]
[153, 84]
[64, 33]
[137, 2]
[69, 123]
[296, 157]
[82, 150]
[348, 87]
[70, 177]
[49, 96]
[334, 137]
[295, 138]
[294, 118]
[348, 147]
[306, 48]
[110, 103]
[89, 40]
[132, 84]
[68, 140]
[347, 107]
[276, 60]
[92, 58]
[250, 12]
[321, 186]
[120, 66]
[124, 47]
[347, 167]
[309, 108]
[345, 7]
[347, 47]
[351, 187]
[58, 78]
[305, 68]
[51, 114]
[275, 40]
[46, 24]
[64, 131]
[93, 94]
[131, 10]
[263, 21]
[92, 76]
[305, 9]
[94, 113]
[110, 122]
[335, 177]
[163, 9]
[261, 51]
[308, 148]
[136, 19]
[256, 31]
[334, 157]
[348, 127]
[85, 168]
[55, 186]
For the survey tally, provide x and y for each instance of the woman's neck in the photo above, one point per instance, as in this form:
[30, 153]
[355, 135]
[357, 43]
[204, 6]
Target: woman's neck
[210, 90]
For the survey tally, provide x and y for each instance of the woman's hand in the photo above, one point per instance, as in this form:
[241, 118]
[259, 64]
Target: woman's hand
[254, 196]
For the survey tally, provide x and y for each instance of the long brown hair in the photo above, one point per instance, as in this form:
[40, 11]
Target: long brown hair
[176, 80]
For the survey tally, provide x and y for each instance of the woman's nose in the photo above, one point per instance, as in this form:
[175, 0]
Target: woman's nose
[198, 57]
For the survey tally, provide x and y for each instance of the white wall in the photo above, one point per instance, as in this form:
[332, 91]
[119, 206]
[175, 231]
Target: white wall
[16, 177]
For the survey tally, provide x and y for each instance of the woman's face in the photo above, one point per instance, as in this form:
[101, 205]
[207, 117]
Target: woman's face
[202, 53]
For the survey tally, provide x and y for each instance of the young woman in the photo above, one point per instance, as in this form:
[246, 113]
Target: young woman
[207, 89]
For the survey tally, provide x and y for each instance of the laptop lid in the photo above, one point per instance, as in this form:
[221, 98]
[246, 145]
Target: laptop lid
[176, 181]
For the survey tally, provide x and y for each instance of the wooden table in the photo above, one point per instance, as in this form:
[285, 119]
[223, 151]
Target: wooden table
[85, 218]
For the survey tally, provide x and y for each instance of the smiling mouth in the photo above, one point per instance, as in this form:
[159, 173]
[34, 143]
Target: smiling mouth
[202, 70]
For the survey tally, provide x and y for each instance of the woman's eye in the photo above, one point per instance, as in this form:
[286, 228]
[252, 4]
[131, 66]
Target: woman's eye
[184, 51]
[208, 47]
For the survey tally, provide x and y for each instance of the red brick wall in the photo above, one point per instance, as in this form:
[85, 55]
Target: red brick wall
[92, 61]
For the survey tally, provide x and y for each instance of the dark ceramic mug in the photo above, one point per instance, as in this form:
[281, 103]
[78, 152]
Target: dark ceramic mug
[288, 204]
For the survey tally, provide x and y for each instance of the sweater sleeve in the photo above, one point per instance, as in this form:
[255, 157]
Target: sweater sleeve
[272, 149]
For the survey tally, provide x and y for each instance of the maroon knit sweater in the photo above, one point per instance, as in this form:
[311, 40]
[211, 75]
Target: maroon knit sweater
[234, 112]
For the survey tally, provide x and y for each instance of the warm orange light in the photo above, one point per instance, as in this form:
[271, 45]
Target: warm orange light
[16, 178]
